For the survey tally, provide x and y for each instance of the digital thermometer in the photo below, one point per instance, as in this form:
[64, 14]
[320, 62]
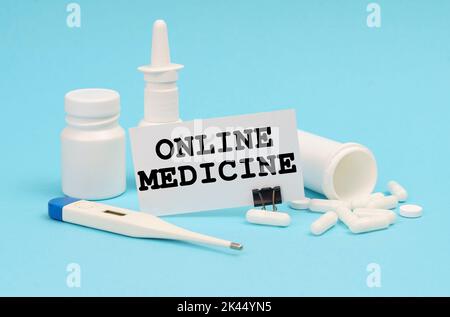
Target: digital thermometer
[126, 222]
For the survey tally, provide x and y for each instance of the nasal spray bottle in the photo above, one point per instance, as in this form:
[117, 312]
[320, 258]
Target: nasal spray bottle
[161, 91]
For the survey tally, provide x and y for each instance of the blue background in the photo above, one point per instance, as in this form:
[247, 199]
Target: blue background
[387, 88]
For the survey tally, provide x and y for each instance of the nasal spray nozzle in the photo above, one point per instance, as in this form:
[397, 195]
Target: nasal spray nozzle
[161, 91]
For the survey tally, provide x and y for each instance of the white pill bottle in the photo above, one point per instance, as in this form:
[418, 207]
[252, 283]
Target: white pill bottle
[343, 171]
[93, 145]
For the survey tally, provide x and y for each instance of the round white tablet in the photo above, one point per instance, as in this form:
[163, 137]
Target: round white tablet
[300, 204]
[411, 211]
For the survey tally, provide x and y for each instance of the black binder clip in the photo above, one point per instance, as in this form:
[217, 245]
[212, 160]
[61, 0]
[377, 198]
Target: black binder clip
[266, 196]
[263, 197]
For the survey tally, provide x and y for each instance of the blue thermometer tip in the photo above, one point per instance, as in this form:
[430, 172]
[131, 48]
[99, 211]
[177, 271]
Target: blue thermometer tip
[55, 206]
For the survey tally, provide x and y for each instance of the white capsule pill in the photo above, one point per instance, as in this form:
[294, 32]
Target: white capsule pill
[386, 202]
[360, 202]
[324, 205]
[368, 212]
[411, 211]
[324, 223]
[300, 204]
[364, 201]
[346, 216]
[398, 190]
[376, 195]
[269, 218]
[367, 224]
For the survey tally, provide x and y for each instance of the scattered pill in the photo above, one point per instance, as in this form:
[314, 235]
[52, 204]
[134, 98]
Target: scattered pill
[324, 223]
[411, 211]
[324, 205]
[364, 201]
[300, 204]
[270, 218]
[386, 202]
[360, 202]
[367, 224]
[376, 195]
[346, 215]
[368, 212]
[398, 190]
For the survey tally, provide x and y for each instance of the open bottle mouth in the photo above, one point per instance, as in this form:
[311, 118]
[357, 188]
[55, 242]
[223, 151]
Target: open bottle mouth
[353, 173]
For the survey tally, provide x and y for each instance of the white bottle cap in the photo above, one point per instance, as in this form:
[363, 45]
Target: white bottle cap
[92, 103]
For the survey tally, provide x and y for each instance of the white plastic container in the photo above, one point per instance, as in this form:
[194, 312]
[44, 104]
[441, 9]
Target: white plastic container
[161, 91]
[93, 145]
[343, 171]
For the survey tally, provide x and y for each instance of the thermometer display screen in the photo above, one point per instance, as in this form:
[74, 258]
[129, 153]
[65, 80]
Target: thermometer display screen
[116, 213]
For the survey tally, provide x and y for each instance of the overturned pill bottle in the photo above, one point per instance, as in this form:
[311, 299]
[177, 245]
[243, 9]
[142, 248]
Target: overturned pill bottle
[342, 171]
[93, 145]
